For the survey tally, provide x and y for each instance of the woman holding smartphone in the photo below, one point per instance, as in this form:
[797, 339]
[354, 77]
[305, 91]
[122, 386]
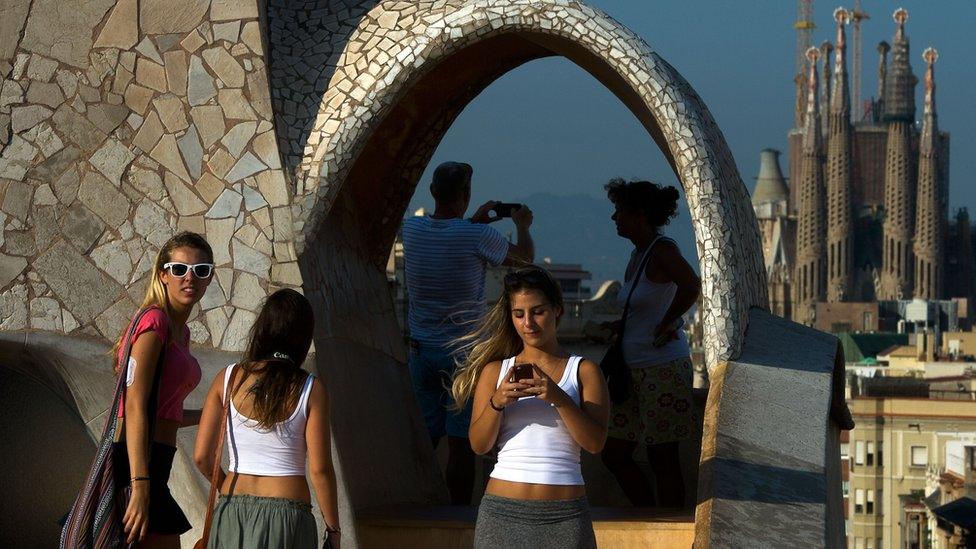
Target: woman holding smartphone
[278, 416]
[180, 276]
[658, 412]
[539, 406]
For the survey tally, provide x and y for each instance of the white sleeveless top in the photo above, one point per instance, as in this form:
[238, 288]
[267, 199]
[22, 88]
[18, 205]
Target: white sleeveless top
[647, 307]
[277, 452]
[534, 445]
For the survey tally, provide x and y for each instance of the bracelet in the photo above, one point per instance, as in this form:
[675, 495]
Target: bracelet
[332, 529]
[491, 403]
[134, 479]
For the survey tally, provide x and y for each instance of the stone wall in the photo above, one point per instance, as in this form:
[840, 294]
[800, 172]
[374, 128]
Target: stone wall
[122, 123]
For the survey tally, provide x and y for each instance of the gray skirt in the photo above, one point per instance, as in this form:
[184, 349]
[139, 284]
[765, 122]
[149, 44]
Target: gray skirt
[242, 521]
[515, 523]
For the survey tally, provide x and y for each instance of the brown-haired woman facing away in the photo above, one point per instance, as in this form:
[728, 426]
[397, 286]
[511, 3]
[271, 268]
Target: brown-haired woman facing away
[536, 495]
[180, 276]
[658, 412]
[278, 414]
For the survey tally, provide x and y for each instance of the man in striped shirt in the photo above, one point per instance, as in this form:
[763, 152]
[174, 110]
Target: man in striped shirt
[446, 257]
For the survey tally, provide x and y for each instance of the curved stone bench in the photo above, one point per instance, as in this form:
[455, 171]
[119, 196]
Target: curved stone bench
[447, 527]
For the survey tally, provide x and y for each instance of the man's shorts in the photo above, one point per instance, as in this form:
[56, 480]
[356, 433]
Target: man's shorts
[431, 370]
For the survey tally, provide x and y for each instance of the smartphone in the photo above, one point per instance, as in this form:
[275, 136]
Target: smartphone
[504, 209]
[521, 371]
[660, 340]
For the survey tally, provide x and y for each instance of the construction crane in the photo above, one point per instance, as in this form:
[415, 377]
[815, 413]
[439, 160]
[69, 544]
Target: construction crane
[804, 39]
[856, 17]
[804, 26]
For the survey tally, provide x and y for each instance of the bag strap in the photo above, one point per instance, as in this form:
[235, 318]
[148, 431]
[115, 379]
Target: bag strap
[121, 389]
[633, 284]
[228, 394]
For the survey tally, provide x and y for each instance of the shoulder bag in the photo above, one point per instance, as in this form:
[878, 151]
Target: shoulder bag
[95, 519]
[613, 365]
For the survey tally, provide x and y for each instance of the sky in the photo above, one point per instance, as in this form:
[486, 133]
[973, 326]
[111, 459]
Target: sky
[549, 127]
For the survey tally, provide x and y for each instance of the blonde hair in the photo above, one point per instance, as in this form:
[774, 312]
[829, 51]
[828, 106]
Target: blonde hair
[495, 338]
[156, 295]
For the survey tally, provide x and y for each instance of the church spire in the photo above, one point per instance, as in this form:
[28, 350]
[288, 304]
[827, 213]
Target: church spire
[825, 49]
[900, 171]
[929, 224]
[840, 229]
[810, 269]
[899, 80]
[883, 49]
[930, 127]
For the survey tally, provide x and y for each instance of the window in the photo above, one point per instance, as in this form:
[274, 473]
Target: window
[869, 508]
[868, 543]
[858, 543]
[877, 507]
[920, 456]
[847, 488]
[845, 449]
[880, 454]
[859, 452]
[870, 460]
[859, 501]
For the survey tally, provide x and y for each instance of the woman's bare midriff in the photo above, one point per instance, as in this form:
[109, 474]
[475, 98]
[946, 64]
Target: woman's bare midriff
[540, 492]
[291, 487]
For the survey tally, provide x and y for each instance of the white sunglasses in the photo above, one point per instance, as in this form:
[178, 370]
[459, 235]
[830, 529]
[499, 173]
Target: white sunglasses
[179, 270]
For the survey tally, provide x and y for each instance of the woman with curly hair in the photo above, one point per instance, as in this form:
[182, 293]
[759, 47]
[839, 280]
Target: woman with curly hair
[658, 411]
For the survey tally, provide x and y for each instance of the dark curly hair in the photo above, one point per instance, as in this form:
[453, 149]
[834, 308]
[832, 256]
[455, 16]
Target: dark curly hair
[658, 204]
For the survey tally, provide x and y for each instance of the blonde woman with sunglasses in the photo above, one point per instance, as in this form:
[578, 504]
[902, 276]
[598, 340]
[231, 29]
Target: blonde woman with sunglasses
[181, 274]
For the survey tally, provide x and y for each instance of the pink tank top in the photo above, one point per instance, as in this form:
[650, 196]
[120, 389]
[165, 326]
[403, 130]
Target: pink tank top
[181, 371]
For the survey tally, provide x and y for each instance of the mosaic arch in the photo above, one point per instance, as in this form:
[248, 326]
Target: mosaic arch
[292, 134]
[406, 72]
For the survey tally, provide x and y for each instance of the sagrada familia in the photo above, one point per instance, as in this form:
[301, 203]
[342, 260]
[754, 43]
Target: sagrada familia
[865, 217]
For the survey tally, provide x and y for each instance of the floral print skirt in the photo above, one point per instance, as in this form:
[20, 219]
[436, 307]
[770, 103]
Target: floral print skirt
[659, 408]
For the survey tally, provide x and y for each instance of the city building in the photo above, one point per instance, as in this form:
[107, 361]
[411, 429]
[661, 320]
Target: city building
[899, 443]
[951, 504]
[959, 345]
[865, 216]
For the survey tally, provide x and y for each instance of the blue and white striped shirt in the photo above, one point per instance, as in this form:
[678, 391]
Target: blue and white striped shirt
[445, 262]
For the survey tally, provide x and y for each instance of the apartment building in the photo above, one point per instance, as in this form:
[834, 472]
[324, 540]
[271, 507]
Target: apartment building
[897, 443]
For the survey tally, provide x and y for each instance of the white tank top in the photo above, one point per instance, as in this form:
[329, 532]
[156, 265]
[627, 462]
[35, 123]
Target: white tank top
[277, 452]
[647, 307]
[534, 445]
